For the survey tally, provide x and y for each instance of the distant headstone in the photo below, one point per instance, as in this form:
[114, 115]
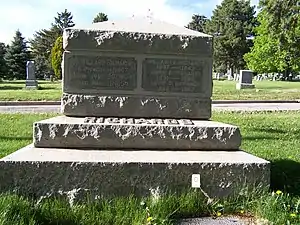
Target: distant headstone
[245, 80]
[31, 81]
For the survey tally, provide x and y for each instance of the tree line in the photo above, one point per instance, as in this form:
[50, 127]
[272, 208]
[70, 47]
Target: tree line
[45, 49]
[266, 42]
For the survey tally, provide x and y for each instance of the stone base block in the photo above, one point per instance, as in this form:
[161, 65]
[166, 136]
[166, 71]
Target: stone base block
[136, 106]
[41, 172]
[31, 84]
[240, 86]
[130, 133]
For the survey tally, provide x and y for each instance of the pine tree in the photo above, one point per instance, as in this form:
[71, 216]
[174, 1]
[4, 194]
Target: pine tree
[3, 66]
[101, 17]
[198, 23]
[16, 57]
[44, 40]
[41, 46]
[63, 20]
[231, 25]
[56, 57]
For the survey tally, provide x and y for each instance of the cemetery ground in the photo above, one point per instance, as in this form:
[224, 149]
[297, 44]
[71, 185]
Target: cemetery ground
[272, 136]
[222, 90]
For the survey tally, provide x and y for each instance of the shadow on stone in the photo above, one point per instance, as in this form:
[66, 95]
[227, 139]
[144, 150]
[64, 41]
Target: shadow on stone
[285, 176]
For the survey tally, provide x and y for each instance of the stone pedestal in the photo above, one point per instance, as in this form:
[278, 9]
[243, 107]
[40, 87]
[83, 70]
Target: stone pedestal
[44, 171]
[136, 104]
[31, 84]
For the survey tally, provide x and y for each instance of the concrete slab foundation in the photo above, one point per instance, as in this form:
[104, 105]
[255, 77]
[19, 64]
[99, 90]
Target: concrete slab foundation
[130, 133]
[41, 171]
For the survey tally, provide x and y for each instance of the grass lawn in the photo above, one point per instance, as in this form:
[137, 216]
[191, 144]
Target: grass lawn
[222, 90]
[264, 90]
[273, 136]
[15, 91]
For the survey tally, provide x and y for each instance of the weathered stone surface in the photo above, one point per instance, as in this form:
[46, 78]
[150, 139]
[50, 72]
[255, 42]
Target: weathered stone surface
[129, 133]
[138, 61]
[43, 172]
[138, 35]
[31, 82]
[135, 106]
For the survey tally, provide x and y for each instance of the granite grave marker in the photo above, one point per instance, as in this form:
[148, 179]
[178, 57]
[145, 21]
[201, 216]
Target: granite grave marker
[136, 104]
[31, 81]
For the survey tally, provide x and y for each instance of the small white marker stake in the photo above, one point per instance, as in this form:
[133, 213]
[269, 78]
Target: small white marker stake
[196, 181]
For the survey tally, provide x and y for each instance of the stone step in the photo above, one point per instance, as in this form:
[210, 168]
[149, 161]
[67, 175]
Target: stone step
[129, 133]
[41, 172]
[140, 105]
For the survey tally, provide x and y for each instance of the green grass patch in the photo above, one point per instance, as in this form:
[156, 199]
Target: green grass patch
[16, 91]
[273, 136]
[264, 90]
[222, 90]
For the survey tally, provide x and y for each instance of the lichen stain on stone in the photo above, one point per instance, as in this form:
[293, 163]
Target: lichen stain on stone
[38, 133]
[225, 184]
[153, 100]
[53, 129]
[100, 37]
[223, 134]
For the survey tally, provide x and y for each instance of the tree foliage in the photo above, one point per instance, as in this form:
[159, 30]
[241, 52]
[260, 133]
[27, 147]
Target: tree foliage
[282, 27]
[16, 57]
[264, 56]
[44, 40]
[198, 23]
[231, 25]
[41, 46]
[101, 17]
[56, 56]
[63, 20]
[3, 66]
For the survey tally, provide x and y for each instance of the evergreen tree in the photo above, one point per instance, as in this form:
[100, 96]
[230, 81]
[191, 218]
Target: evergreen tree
[56, 57]
[44, 40]
[16, 57]
[231, 24]
[63, 20]
[41, 46]
[101, 17]
[198, 23]
[3, 66]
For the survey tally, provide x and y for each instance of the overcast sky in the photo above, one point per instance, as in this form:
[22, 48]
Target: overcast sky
[32, 15]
